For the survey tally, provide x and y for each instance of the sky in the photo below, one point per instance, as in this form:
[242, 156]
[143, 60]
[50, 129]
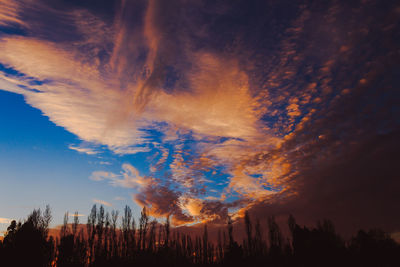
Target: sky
[200, 110]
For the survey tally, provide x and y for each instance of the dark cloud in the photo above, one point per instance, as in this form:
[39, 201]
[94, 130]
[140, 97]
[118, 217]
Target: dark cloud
[162, 202]
[343, 157]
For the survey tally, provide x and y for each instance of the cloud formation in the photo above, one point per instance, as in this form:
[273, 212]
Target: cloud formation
[5, 220]
[236, 106]
[102, 202]
[81, 149]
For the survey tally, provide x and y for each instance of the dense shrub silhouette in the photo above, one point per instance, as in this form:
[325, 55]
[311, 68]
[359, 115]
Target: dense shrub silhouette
[103, 242]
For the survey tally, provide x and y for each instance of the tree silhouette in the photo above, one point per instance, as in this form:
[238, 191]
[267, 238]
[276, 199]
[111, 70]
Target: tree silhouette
[27, 243]
[105, 242]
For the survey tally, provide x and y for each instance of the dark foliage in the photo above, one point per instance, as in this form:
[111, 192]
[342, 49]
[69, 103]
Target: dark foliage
[102, 243]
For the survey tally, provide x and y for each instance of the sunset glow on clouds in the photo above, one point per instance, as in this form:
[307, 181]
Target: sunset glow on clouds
[226, 113]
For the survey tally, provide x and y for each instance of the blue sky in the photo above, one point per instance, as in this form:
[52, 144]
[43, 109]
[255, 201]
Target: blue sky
[38, 168]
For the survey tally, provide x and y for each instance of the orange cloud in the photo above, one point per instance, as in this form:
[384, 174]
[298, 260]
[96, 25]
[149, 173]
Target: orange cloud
[5, 220]
[219, 104]
[107, 102]
[130, 178]
[9, 13]
[102, 202]
[74, 96]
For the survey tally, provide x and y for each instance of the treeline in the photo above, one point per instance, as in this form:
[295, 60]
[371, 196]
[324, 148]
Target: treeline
[106, 242]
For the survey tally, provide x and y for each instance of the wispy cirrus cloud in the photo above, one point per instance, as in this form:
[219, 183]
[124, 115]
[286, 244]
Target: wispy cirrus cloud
[102, 202]
[129, 178]
[9, 13]
[86, 150]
